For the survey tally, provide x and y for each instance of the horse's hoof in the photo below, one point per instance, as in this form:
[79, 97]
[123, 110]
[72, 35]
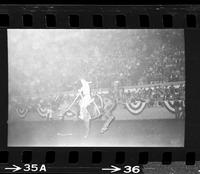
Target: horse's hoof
[103, 130]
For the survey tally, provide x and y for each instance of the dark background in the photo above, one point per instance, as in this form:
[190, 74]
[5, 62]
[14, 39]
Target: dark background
[192, 38]
[135, 2]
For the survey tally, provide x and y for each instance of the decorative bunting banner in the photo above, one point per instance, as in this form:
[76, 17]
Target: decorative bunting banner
[135, 107]
[22, 111]
[169, 105]
[43, 112]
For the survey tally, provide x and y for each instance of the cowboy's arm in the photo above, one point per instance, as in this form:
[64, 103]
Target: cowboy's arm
[80, 92]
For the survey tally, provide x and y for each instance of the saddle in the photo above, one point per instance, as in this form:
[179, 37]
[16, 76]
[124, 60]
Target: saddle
[90, 108]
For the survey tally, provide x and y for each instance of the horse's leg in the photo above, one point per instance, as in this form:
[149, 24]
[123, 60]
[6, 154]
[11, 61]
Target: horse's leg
[109, 116]
[85, 116]
[97, 113]
[87, 126]
[107, 123]
[97, 109]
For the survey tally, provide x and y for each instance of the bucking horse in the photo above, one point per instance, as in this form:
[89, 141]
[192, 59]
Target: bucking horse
[100, 106]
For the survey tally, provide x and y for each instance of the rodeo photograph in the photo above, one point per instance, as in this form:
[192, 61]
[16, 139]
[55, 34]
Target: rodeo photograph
[96, 87]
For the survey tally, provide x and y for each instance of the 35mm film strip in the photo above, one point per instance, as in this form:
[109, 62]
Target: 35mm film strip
[98, 89]
[50, 16]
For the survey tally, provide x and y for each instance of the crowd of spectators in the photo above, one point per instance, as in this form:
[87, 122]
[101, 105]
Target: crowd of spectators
[51, 65]
[139, 72]
[152, 95]
[150, 63]
[159, 93]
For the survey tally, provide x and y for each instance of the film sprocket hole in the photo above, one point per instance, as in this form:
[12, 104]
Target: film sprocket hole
[98, 89]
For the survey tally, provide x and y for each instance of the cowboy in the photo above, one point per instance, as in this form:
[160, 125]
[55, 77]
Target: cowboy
[86, 100]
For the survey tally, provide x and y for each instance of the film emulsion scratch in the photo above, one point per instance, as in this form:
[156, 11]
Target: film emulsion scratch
[89, 87]
[173, 168]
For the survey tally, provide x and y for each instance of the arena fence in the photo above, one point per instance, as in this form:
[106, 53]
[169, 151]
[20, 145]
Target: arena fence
[49, 106]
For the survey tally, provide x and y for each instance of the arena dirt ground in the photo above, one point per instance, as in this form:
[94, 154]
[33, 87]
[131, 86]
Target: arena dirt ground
[154, 132]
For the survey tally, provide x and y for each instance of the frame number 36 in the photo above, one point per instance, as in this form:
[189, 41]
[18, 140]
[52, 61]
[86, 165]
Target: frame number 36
[131, 169]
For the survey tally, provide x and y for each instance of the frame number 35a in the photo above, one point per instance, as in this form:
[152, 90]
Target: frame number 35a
[34, 168]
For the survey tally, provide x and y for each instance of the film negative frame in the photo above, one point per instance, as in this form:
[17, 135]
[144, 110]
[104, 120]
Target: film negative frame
[107, 17]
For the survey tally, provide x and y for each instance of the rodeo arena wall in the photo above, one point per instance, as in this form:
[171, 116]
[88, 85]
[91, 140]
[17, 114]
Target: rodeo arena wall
[154, 101]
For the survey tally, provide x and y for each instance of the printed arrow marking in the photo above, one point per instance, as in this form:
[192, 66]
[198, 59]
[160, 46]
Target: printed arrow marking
[14, 168]
[112, 169]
